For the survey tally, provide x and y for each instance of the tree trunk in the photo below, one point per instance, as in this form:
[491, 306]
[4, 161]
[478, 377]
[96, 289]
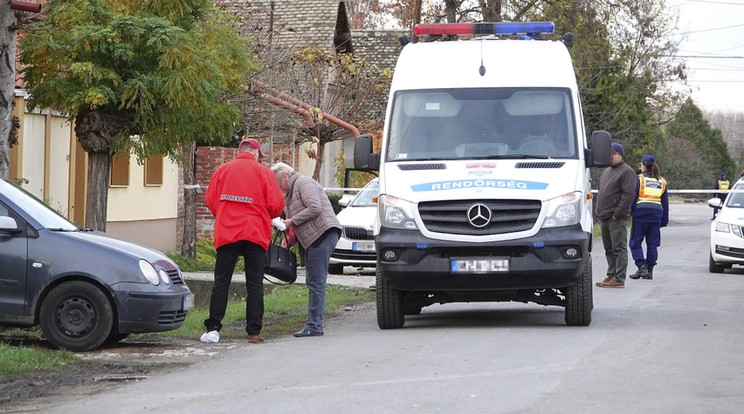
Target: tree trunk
[95, 131]
[96, 203]
[7, 82]
[491, 10]
[188, 244]
[318, 161]
[450, 10]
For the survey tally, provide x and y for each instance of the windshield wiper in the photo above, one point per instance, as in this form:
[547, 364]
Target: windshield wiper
[59, 229]
[512, 157]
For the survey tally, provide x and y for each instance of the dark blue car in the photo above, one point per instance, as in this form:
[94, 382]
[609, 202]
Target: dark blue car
[83, 287]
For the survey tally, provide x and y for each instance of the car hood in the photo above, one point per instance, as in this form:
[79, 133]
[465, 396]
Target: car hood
[358, 217]
[731, 215]
[111, 243]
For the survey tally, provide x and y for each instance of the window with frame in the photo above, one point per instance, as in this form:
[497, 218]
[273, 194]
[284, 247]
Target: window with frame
[120, 169]
[154, 170]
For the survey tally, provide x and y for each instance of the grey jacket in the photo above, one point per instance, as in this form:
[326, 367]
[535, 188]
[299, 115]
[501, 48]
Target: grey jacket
[616, 192]
[309, 208]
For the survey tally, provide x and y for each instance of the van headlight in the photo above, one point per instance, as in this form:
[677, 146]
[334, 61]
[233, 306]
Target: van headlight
[396, 213]
[563, 210]
[149, 272]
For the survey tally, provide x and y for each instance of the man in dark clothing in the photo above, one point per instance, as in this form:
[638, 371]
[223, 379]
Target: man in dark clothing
[616, 193]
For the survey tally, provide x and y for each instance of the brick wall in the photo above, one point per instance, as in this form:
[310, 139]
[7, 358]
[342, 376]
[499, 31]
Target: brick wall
[207, 161]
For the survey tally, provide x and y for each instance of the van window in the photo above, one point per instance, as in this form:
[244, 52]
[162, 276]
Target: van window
[476, 123]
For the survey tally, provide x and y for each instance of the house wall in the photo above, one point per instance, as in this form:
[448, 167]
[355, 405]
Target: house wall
[145, 214]
[43, 162]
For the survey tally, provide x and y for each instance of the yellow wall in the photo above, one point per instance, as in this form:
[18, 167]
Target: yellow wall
[33, 154]
[139, 202]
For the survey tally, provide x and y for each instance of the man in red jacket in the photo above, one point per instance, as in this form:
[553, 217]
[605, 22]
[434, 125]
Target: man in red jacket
[244, 196]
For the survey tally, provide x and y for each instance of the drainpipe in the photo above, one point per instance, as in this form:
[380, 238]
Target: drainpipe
[27, 6]
[280, 98]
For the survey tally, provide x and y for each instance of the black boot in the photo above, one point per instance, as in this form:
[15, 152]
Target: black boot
[642, 273]
[650, 273]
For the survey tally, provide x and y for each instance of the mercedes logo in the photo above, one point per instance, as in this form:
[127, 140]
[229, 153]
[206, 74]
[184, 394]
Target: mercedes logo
[479, 215]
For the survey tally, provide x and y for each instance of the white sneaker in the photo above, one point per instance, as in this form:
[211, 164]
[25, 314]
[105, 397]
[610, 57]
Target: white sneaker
[211, 336]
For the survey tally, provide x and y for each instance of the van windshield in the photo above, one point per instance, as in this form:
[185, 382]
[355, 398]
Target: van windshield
[480, 123]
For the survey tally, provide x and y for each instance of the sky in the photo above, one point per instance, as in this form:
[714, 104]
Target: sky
[712, 33]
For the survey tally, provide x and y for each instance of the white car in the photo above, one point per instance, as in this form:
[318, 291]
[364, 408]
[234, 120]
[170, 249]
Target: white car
[727, 231]
[356, 247]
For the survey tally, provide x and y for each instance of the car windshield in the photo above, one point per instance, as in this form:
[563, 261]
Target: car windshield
[45, 215]
[736, 200]
[478, 123]
[366, 196]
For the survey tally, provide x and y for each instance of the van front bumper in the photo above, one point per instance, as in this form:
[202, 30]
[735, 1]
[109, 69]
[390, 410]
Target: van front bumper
[541, 261]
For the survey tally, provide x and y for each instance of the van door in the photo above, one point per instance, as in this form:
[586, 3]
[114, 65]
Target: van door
[13, 264]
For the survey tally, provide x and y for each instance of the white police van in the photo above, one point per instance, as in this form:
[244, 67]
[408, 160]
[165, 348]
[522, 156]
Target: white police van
[485, 187]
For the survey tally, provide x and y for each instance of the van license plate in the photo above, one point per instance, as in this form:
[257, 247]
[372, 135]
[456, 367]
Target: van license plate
[496, 265]
[364, 246]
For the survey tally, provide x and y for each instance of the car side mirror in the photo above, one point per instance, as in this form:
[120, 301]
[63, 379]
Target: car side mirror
[715, 202]
[8, 225]
[601, 153]
[344, 202]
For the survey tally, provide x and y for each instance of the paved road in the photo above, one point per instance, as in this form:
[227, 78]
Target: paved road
[664, 346]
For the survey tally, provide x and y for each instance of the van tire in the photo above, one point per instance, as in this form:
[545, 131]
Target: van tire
[336, 269]
[389, 305]
[76, 316]
[579, 300]
[714, 267]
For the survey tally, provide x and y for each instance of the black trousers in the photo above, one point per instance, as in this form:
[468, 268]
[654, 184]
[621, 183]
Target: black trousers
[227, 256]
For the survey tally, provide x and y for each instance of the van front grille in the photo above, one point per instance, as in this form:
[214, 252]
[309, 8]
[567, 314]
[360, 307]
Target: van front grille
[506, 216]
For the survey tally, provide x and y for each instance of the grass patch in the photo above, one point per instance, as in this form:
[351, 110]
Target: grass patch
[20, 360]
[285, 311]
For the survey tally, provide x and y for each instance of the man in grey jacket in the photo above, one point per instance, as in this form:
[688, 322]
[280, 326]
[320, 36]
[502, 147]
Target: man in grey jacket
[318, 230]
[616, 193]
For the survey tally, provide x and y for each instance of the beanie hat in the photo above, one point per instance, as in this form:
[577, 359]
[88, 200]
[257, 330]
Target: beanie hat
[648, 158]
[618, 148]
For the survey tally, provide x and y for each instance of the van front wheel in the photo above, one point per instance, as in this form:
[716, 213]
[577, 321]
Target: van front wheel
[390, 313]
[579, 300]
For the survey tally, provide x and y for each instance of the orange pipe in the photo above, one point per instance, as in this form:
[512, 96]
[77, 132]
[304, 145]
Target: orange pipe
[282, 95]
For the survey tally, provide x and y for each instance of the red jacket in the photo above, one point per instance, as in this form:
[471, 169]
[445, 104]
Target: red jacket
[244, 196]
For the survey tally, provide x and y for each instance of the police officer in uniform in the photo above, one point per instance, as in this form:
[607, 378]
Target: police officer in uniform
[650, 212]
[721, 184]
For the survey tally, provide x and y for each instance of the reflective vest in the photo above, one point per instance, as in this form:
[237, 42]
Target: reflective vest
[650, 190]
[723, 184]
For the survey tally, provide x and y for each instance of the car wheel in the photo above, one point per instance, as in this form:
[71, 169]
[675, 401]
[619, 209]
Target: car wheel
[389, 305]
[336, 269]
[76, 316]
[579, 300]
[713, 267]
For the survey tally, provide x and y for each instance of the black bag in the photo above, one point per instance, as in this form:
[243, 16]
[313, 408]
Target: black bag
[280, 262]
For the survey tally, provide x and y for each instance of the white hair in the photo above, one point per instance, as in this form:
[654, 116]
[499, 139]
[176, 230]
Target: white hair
[283, 168]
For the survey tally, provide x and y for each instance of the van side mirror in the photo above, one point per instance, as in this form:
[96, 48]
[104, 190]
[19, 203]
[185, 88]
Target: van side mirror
[601, 153]
[364, 159]
[8, 225]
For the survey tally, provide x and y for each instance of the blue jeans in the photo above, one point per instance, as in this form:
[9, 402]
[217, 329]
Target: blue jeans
[316, 269]
[615, 242]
